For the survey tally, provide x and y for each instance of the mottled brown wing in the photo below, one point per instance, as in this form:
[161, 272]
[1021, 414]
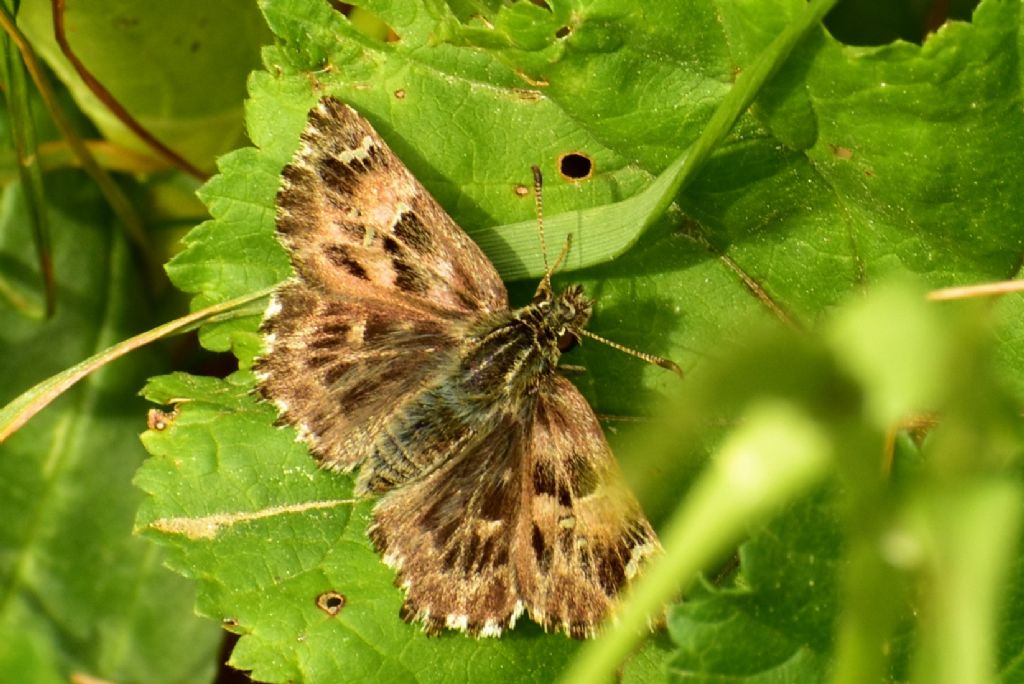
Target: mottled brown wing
[581, 536]
[533, 515]
[449, 536]
[338, 369]
[386, 285]
[356, 222]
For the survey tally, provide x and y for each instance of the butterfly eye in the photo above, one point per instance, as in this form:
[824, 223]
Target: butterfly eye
[567, 339]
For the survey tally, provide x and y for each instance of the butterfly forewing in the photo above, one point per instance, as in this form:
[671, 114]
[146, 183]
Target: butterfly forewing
[356, 222]
[385, 283]
[338, 368]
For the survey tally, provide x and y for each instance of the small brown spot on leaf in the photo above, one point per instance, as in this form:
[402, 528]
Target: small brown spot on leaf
[331, 602]
[521, 190]
[400, 94]
[575, 166]
[842, 152]
[160, 420]
[535, 81]
[563, 32]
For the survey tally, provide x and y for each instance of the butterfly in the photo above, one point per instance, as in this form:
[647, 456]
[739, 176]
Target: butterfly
[394, 350]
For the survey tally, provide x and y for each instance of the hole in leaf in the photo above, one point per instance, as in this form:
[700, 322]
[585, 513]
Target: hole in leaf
[874, 22]
[563, 32]
[331, 602]
[575, 166]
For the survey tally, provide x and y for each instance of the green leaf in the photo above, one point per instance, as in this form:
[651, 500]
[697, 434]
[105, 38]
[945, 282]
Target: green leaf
[246, 511]
[777, 626]
[23, 134]
[179, 68]
[78, 593]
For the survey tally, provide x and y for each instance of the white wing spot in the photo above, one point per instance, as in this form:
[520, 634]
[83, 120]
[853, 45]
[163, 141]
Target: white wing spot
[517, 611]
[360, 152]
[639, 552]
[355, 333]
[394, 561]
[387, 214]
[460, 622]
[490, 629]
[446, 270]
[306, 435]
[273, 308]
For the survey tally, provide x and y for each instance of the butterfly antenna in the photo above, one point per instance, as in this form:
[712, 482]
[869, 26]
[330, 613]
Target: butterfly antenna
[538, 201]
[649, 358]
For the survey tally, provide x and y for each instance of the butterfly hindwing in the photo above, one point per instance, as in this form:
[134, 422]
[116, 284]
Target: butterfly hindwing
[449, 536]
[533, 515]
[581, 536]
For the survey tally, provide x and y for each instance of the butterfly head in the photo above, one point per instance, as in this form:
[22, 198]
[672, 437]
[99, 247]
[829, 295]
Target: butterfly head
[564, 316]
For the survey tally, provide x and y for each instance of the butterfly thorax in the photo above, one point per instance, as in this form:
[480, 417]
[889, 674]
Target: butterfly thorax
[510, 354]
